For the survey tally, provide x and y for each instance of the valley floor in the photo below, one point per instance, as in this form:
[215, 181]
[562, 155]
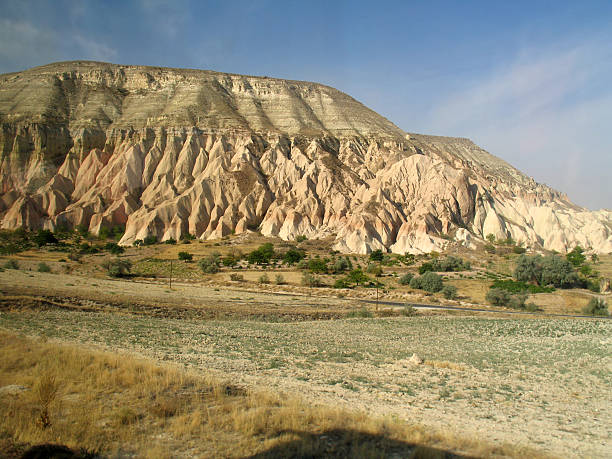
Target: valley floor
[537, 383]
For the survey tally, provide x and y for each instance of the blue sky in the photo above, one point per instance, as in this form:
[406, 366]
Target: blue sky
[529, 81]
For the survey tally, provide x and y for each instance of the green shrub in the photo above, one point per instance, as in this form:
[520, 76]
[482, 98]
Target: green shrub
[44, 237]
[310, 280]
[360, 313]
[377, 255]
[342, 283]
[229, 261]
[117, 267]
[11, 264]
[415, 282]
[280, 280]
[425, 268]
[342, 264]
[114, 248]
[519, 250]
[44, 268]
[301, 238]
[408, 311]
[489, 248]
[517, 301]
[262, 255]
[210, 264]
[520, 286]
[357, 277]
[149, 240]
[576, 256]
[317, 265]
[264, 279]
[449, 292]
[596, 307]
[171, 241]
[498, 297]
[293, 256]
[187, 237]
[405, 279]
[374, 269]
[431, 282]
[185, 256]
[237, 277]
[531, 307]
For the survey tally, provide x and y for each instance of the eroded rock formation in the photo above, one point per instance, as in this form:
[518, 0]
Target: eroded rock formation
[167, 152]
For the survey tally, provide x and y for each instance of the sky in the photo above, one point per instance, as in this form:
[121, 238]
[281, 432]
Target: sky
[529, 81]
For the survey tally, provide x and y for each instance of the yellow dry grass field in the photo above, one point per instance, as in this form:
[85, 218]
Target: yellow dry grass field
[117, 405]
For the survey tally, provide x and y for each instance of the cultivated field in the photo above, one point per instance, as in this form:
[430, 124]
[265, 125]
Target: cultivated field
[245, 368]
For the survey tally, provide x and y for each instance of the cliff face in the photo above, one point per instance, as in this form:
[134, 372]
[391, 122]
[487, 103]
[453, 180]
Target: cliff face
[165, 152]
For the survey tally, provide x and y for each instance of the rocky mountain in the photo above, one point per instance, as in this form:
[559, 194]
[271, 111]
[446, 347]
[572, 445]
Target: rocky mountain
[166, 152]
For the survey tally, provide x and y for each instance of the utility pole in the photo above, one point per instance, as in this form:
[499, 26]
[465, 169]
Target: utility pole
[170, 274]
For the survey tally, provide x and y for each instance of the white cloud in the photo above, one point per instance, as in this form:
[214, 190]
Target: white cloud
[547, 114]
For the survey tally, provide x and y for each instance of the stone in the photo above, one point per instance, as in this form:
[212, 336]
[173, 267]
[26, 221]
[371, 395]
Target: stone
[166, 152]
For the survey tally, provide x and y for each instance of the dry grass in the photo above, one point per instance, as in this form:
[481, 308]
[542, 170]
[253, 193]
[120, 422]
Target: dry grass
[117, 405]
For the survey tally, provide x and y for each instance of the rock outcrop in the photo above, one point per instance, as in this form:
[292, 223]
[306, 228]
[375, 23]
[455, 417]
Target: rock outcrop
[166, 152]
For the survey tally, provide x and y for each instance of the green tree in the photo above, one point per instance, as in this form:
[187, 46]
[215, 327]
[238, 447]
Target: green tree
[117, 267]
[528, 268]
[558, 272]
[185, 256]
[405, 279]
[576, 256]
[293, 256]
[597, 307]
[377, 255]
[43, 237]
[449, 292]
[431, 282]
[210, 264]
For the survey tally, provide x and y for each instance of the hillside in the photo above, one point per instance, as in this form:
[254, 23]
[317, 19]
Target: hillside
[165, 152]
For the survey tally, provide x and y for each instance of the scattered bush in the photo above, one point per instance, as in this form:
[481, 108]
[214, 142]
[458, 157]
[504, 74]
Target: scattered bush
[431, 282]
[425, 268]
[449, 292]
[407, 259]
[342, 264]
[11, 264]
[446, 264]
[44, 268]
[405, 279]
[301, 238]
[342, 283]
[408, 311]
[489, 248]
[498, 297]
[596, 307]
[149, 240]
[310, 280]
[317, 265]
[210, 264]
[550, 270]
[229, 260]
[187, 237]
[531, 307]
[264, 279]
[293, 256]
[517, 249]
[280, 280]
[491, 238]
[415, 282]
[262, 255]
[185, 256]
[237, 277]
[520, 286]
[170, 241]
[576, 256]
[44, 237]
[114, 248]
[360, 313]
[374, 269]
[117, 267]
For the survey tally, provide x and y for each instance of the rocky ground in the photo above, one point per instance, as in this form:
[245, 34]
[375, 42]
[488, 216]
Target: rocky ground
[543, 383]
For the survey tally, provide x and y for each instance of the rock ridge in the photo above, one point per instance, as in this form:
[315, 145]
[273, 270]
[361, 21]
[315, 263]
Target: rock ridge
[166, 152]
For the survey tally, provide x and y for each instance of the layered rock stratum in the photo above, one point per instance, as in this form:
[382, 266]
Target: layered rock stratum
[166, 152]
